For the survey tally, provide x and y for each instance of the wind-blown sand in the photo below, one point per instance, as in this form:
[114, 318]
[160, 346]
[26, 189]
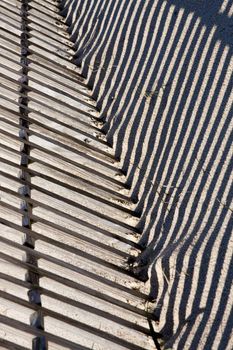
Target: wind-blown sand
[161, 72]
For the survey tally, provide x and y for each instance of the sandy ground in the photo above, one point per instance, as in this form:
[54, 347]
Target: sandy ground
[161, 72]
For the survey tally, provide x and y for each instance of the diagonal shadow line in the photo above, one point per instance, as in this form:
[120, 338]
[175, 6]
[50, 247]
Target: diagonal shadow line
[195, 250]
[121, 41]
[211, 296]
[100, 46]
[145, 131]
[114, 118]
[182, 133]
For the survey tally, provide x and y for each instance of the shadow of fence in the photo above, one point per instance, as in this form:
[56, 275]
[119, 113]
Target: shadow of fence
[161, 72]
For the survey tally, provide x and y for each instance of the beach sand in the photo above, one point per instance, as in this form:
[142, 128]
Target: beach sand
[161, 73]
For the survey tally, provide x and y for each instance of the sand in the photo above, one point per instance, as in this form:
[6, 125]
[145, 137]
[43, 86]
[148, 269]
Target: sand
[161, 72]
